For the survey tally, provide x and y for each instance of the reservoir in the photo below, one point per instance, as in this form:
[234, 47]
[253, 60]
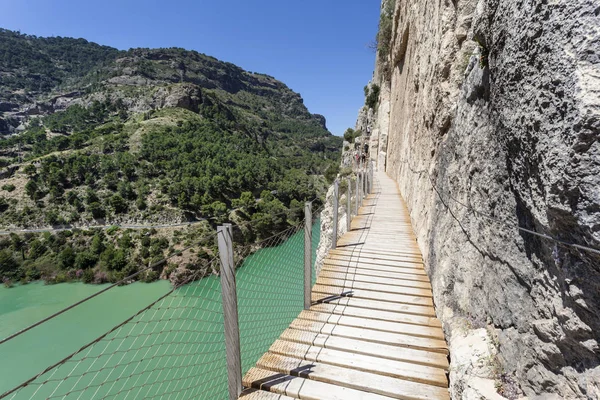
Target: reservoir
[175, 349]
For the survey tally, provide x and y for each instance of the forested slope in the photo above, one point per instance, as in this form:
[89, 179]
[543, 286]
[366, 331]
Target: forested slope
[93, 135]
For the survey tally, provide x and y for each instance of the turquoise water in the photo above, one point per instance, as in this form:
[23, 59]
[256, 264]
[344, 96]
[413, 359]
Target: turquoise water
[175, 349]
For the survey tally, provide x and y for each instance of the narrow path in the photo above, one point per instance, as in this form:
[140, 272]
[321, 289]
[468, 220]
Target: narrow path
[371, 332]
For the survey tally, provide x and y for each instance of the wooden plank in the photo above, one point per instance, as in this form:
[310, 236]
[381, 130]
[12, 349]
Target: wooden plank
[351, 276]
[253, 394]
[369, 335]
[372, 256]
[397, 253]
[344, 283]
[303, 388]
[393, 236]
[384, 326]
[377, 315]
[357, 346]
[377, 264]
[379, 305]
[350, 378]
[400, 268]
[400, 275]
[361, 362]
[321, 291]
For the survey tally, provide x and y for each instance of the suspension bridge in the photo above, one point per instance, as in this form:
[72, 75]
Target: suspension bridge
[276, 323]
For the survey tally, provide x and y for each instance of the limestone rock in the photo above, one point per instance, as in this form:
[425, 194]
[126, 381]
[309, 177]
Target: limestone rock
[490, 121]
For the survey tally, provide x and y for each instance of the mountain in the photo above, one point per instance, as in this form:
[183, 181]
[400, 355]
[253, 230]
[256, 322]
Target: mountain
[91, 135]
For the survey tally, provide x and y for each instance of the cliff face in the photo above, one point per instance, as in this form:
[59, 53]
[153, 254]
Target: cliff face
[494, 124]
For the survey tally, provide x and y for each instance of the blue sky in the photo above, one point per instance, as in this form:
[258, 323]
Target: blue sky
[317, 47]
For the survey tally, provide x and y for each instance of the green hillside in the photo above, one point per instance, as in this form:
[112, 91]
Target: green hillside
[90, 135]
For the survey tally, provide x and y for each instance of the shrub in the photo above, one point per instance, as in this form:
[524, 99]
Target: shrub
[384, 35]
[85, 260]
[96, 210]
[331, 173]
[118, 204]
[373, 97]
[66, 258]
[8, 187]
[7, 262]
[349, 135]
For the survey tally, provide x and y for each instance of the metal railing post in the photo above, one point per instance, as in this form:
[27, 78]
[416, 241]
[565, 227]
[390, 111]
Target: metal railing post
[336, 191]
[230, 312]
[372, 175]
[368, 180]
[307, 254]
[349, 205]
[356, 195]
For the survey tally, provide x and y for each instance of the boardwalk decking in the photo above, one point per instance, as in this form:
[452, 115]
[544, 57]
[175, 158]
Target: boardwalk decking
[371, 332]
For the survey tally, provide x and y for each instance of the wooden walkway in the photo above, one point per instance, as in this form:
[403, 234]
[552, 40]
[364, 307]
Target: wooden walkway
[371, 332]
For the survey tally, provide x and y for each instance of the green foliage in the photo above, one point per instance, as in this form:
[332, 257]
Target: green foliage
[30, 170]
[331, 173]
[250, 136]
[96, 210]
[118, 204]
[351, 134]
[8, 187]
[98, 246]
[66, 258]
[37, 60]
[32, 190]
[384, 35]
[373, 97]
[85, 260]
[245, 202]
[36, 249]
[113, 260]
[7, 262]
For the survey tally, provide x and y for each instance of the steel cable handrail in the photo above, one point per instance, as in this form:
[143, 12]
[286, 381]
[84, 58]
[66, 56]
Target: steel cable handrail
[485, 215]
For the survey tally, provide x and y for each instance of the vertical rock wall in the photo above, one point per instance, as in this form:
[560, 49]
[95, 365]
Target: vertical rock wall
[493, 123]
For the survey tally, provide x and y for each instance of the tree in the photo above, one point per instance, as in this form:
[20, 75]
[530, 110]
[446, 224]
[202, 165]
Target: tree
[118, 204]
[332, 172]
[91, 197]
[349, 135]
[113, 260]
[141, 204]
[125, 241]
[373, 97]
[66, 258]
[17, 244]
[36, 249]
[96, 210]
[97, 246]
[7, 262]
[246, 201]
[31, 188]
[85, 260]
[30, 170]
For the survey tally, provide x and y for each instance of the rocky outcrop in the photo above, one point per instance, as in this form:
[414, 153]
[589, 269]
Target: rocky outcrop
[494, 129]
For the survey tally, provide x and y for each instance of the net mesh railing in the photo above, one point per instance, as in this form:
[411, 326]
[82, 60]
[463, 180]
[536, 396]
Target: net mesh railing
[175, 347]
[270, 288]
